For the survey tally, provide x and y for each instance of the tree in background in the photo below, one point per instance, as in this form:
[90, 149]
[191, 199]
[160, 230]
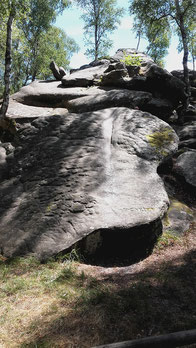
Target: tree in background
[176, 14]
[157, 34]
[9, 9]
[54, 44]
[191, 35]
[101, 18]
[34, 44]
[41, 14]
[159, 37]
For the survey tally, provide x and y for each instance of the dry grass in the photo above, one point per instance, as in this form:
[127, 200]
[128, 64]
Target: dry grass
[70, 304]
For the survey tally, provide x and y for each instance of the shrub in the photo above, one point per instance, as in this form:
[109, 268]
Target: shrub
[132, 60]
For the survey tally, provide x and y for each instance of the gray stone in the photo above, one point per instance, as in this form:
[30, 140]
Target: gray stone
[186, 166]
[51, 93]
[3, 162]
[86, 77]
[188, 131]
[160, 107]
[115, 97]
[55, 70]
[18, 110]
[165, 84]
[114, 78]
[62, 71]
[178, 218]
[79, 174]
[190, 143]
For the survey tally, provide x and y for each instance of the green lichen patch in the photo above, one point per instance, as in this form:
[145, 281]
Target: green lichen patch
[160, 140]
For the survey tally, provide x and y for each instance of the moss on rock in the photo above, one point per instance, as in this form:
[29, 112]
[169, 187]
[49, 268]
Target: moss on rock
[160, 140]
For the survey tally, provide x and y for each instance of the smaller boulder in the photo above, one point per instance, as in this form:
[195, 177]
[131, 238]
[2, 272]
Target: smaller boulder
[188, 131]
[186, 166]
[56, 71]
[84, 78]
[177, 219]
[62, 71]
[162, 83]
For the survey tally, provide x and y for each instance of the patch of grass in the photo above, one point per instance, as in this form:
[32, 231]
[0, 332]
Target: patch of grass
[167, 239]
[64, 303]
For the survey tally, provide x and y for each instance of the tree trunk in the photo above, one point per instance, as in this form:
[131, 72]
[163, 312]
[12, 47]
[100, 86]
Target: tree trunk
[8, 59]
[96, 44]
[96, 18]
[193, 59]
[34, 75]
[180, 22]
[172, 340]
[138, 42]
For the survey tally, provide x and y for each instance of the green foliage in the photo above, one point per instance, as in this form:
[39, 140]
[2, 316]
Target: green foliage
[159, 36]
[191, 33]
[35, 42]
[35, 29]
[155, 19]
[132, 60]
[101, 18]
[53, 45]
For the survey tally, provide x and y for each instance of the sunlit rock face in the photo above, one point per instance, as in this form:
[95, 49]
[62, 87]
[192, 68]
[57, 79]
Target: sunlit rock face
[82, 167]
[72, 176]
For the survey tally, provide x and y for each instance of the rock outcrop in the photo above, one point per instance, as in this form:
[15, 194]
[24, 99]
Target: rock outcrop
[185, 164]
[73, 176]
[83, 166]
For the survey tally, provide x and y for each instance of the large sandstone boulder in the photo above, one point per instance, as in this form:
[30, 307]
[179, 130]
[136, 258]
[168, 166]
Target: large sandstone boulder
[89, 174]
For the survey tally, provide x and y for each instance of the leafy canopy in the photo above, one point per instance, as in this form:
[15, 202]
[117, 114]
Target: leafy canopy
[101, 18]
[155, 20]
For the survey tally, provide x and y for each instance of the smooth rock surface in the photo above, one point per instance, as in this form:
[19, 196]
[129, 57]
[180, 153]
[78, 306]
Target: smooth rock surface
[72, 176]
[17, 110]
[114, 97]
[84, 78]
[45, 93]
[52, 94]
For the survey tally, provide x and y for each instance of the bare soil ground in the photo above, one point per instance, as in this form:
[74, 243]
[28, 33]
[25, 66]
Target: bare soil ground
[71, 304]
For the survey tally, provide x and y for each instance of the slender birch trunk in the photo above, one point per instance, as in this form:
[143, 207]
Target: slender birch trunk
[181, 25]
[8, 59]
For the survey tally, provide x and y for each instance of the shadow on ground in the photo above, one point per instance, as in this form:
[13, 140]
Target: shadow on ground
[122, 306]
